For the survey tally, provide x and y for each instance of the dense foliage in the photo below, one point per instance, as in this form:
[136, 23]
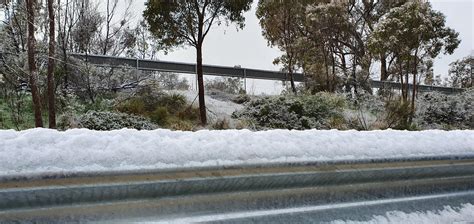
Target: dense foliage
[105, 121]
[165, 109]
[364, 112]
[440, 111]
[321, 111]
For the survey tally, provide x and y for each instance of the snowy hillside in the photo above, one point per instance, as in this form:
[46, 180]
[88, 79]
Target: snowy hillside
[217, 109]
[45, 150]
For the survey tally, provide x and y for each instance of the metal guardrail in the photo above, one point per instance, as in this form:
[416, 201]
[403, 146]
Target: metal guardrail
[189, 68]
[167, 193]
[178, 67]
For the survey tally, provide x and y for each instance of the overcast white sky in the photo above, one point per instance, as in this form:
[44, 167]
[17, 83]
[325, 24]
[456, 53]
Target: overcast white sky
[228, 47]
[247, 47]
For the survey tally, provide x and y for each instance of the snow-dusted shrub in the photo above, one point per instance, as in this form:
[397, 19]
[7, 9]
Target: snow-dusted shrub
[227, 85]
[437, 110]
[221, 124]
[321, 111]
[366, 112]
[168, 110]
[147, 100]
[241, 98]
[172, 81]
[109, 121]
[220, 95]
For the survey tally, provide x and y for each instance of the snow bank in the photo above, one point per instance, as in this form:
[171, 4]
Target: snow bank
[217, 108]
[448, 215]
[44, 150]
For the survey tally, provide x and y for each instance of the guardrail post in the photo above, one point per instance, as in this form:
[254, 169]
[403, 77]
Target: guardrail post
[196, 71]
[137, 68]
[245, 80]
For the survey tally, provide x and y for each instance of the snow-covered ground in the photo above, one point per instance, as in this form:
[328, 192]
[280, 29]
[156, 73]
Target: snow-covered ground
[45, 150]
[217, 109]
[448, 215]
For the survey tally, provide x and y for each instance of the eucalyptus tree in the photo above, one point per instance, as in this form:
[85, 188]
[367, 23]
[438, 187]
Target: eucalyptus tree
[188, 22]
[413, 33]
[327, 26]
[461, 73]
[51, 66]
[282, 24]
[33, 73]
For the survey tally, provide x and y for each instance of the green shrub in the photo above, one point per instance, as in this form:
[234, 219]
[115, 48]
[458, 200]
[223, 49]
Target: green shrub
[161, 108]
[190, 113]
[100, 104]
[227, 85]
[241, 98]
[173, 102]
[146, 103]
[159, 116]
[366, 112]
[96, 120]
[133, 106]
[321, 111]
[397, 114]
[221, 124]
[182, 125]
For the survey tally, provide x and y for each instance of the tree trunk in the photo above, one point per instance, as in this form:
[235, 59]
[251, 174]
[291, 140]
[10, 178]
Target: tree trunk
[413, 96]
[51, 65]
[407, 84]
[292, 80]
[107, 29]
[400, 67]
[202, 104]
[333, 62]
[344, 70]
[354, 76]
[383, 73]
[383, 68]
[32, 64]
[327, 68]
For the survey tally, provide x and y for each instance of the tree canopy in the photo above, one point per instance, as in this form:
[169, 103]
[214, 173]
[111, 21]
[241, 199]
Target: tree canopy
[174, 23]
[187, 22]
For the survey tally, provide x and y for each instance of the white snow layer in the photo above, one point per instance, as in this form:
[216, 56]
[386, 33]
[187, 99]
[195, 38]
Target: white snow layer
[216, 108]
[446, 216]
[44, 150]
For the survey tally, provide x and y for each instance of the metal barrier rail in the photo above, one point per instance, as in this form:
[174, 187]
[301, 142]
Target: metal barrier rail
[234, 188]
[190, 68]
[178, 67]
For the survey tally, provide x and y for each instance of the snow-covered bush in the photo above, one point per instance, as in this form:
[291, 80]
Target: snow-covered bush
[221, 124]
[366, 112]
[241, 98]
[437, 110]
[109, 121]
[321, 111]
[171, 81]
[162, 108]
[227, 85]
